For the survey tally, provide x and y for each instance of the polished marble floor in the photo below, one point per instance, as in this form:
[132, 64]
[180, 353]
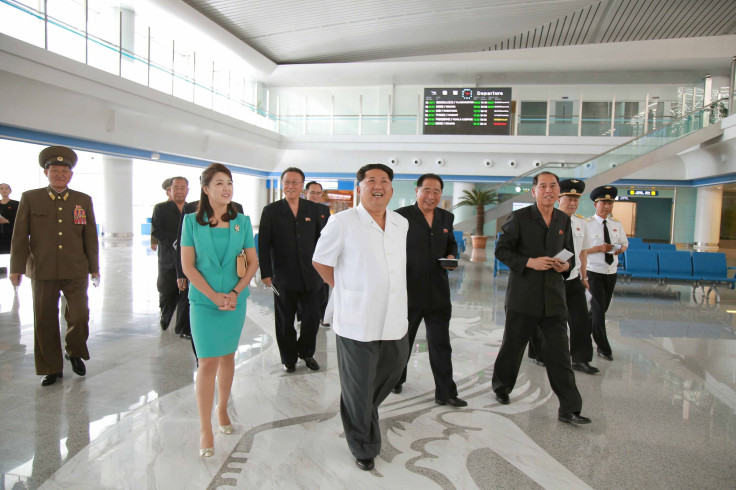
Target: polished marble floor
[664, 411]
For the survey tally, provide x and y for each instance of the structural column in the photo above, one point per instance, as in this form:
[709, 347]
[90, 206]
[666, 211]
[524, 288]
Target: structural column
[464, 212]
[708, 218]
[117, 177]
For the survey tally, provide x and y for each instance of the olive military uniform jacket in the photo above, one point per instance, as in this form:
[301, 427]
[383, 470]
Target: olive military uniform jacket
[55, 236]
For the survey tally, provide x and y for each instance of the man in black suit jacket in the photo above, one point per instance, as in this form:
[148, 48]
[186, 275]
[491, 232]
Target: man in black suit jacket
[164, 227]
[430, 237]
[287, 234]
[181, 279]
[535, 295]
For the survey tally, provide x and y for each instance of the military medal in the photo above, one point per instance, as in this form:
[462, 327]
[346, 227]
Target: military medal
[237, 228]
[80, 217]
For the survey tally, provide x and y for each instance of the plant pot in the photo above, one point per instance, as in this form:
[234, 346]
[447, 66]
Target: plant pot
[479, 241]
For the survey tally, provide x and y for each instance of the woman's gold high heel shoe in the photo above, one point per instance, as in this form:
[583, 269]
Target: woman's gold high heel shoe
[207, 452]
[227, 429]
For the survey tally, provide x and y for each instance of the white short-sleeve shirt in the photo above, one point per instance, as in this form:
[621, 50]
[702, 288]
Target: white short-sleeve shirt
[370, 301]
[580, 241]
[597, 261]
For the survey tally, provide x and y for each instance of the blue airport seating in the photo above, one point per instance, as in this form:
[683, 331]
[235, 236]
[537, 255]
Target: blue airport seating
[498, 266]
[637, 244]
[633, 239]
[676, 266]
[641, 264]
[662, 246]
[460, 241]
[710, 267]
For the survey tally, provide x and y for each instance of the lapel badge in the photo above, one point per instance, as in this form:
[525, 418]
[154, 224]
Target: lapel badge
[444, 230]
[561, 232]
[237, 228]
[307, 219]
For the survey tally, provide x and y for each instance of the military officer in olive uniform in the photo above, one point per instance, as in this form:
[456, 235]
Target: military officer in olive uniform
[55, 244]
[608, 240]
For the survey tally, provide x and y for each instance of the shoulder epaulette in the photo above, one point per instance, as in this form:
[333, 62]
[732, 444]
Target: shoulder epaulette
[578, 216]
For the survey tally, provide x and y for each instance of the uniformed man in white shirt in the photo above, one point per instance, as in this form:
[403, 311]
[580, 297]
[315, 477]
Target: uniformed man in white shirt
[581, 345]
[361, 253]
[607, 242]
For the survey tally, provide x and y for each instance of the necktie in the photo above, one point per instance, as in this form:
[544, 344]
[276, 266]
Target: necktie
[607, 239]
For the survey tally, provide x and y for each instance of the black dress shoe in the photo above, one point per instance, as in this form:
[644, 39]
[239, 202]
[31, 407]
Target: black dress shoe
[398, 388]
[185, 336]
[502, 399]
[288, 368]
[164, 325]
[77, 365]
[365, 464]
[311, 363]
[50, 379]
[584, 367]
[324, 324]
[452, 401]
[573, 418]
[607, 357]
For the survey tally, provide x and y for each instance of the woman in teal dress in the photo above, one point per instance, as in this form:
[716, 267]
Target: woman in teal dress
[211, 240]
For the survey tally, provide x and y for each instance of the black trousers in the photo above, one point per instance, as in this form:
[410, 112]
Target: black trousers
[517, 332]
[170, 298]
[368, 371]
[323, 300]
[285, 305]
[578, 319]
[601, 288]
[437, 322]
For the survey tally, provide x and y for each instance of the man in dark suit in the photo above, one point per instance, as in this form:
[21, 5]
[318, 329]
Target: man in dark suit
[181, 278]
[535, 296]
[287, 234]
[314, 193]
[164, 227]
[430, 237]
[55, 244]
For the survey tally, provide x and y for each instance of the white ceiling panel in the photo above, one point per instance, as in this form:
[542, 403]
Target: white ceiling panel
[333, 31]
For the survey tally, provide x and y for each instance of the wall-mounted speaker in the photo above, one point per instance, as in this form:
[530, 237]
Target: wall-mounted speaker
[512, 163]
[488, 163]
[416, 162]
[439, 162]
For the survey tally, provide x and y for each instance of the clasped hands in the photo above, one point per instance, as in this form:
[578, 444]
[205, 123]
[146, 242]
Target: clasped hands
[226, 301]
[547, 263]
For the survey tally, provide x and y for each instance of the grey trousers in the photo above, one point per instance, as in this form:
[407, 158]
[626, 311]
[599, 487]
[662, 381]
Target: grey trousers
[368, 372]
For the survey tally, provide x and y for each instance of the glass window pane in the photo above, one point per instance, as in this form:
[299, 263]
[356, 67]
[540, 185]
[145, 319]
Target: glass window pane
[533, 118]
[66, 29]
[628, 122]
[22, 22]
[596, 119]
[563, 119]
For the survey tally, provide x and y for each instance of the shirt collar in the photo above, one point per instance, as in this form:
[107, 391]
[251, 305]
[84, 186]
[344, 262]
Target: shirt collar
[367, 219]
[599, 219]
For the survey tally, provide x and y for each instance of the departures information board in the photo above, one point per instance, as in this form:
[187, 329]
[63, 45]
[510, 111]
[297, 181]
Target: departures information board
[467, 111]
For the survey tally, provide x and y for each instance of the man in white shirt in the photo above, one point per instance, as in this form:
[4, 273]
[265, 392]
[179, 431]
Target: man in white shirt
[607, 241]
[361, 253]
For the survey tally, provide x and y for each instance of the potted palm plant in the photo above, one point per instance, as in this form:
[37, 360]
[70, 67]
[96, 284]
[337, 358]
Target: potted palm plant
[479, 199]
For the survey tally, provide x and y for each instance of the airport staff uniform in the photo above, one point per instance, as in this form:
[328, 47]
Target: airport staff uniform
[602, 274]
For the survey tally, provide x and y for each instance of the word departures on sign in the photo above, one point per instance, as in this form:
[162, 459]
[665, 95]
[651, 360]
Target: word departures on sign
[641, 192]
[484, 111]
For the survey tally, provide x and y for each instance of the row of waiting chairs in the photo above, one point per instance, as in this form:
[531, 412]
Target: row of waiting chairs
[698, 269]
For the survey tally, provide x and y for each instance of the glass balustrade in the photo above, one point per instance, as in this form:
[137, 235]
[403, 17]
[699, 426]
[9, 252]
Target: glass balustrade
[151, 56]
